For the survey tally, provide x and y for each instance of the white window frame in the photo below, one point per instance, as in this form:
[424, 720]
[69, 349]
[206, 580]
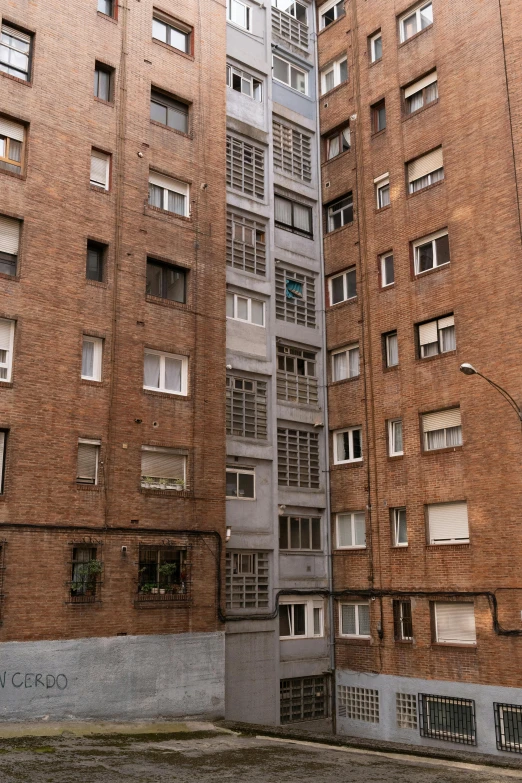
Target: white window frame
[425, 433]
[350, 430]
[396, 526]
[310, 605]
[326, 7]
[334, 67]
[351, 515]
[244, 472]
[97, 357]
[392, 452]
[293, 15]
[290, 66]
[179, 187]
[245, 76]
[97, 445]
[424, 241]
[345, 286]
[184, 372]
[381, 183]
[95, 153]
[355, 635]
[8, 365]
[452, 641]
[446, 541]
[248, 15]
[383, 258]
[373, 39]
[389, 356]
[346, 350]
[417, 11]
[439, 341]
[249, 300]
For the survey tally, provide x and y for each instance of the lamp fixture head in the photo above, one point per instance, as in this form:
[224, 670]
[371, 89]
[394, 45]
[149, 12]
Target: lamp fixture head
[467, 369]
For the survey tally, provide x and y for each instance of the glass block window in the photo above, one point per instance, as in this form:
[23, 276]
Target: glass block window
[447, 718]
[358, 703]
[298, 458]
[295, 297]
[296, 375]
[292, 151]
[247, 580]
[246, 407]
[508, 727]
[406, 706]
[245, 167]
[303, 698]
[246, 244]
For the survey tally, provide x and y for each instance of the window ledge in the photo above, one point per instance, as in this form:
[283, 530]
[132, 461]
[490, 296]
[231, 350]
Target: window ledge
[174, 50]
[375, 62]
[98, 189]
[13, 174]
[447, 450]
[91, 382]
[353, 550]
[172, 130]
[158, 211]
[158, 300]
[104, 102]
[287, 228]
[380, 210]
[419, 275]
[336, 157]
[453, 546]
[4, 276]
[405, 642]
[344, 380]
[436, 356]
[337, 230]
[83, 604]
[456, 645]
[345, 302]
[306, 552]
[428, 187]
[399, 547]
[395, 457]
[166, 396]
[419, 111]
[376, 135]
[362, 641]
[332, 24]
[88, 487]
[386, 287]
[6, 384]
[393, 368]
[334, 89]
[159, 603]
[345, 465]
[16, 79]
[166, 493]
[107, 17]
[96, 283]
[413, 37]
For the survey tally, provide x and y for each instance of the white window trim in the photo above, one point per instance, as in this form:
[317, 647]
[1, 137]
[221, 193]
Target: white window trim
[383, 258]
[179, 187]
[247, 76]
[248, 8]
[350, 430]
[249, 318]
[345, 287]
[351, 514]
[391, 439]
[373, 39]
[184, 372]
[324, 9]
[381, 182]
[290, 65]
[336, 68]
[10, 350]
[395, 528]
[353, 635]
[388, 353]
[245, 472]
[424, 241]
[97, 358]
[310, 605]
[346, 350]
[107, 158]
[97, 443]
[415, 10]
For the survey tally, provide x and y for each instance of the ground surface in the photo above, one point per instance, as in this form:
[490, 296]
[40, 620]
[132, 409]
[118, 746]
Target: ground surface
[205, 756]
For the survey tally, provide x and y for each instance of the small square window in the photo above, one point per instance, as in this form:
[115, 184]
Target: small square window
[165, 372]
[12, 138]
[415, 20]
[96, 253]
[240, 484]
[334, 74]
[355, 619]
[169, 195]
[343, 287]
[338, 142]
[345, 363]
[340, 213]
[166, 281]
[239, 13]
[347, 445]
[330, 12]
[106, 7]
[351, 530]
[375, 46]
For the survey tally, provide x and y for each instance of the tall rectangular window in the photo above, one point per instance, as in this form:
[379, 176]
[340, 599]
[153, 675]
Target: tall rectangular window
[382, 191]
[351, 530]
[103, 82]
[340, 212]
[12, 136]
[164, 468]
[86, 568]
[168, 111]
[421, 93]
[391, 349]
[245, 167]
[347, 445]
[88, 461]
[296, 375]
[171, 32]
[100, 169]
[395, 447]
[9, 244]
[92, 351]
[298, 458]
[378, 112]
[402, 621]
[387, 270]
[331, 12]
[165, 372]
[448, 523]
[3, 442]
[399, 527]
[437, 337]
[247, 580]
[246, 243]
[106, 7]
[415, 20]
[169, 195]
[289, 74]
[300, 533]
[293, 216]
[425, 171]
[343, 287]
[442, 430]
[7, 329]
[292, 151]
[96, 253]
[338, 142]
[345, 363]
[375, 46]
[15, 52]
[244, 82]
[354, 619]
[246, 407]
[166, 281]
[239, 13]
[295, 296]
[334, 74]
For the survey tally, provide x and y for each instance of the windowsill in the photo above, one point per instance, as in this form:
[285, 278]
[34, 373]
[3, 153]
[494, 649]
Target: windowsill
[380, 210]
[446, 450]
[88, 487]
[345, 465]
[288, 86]
[405, 642]
[97, 283]
[165, 213]
[351, 549]
[376, 134]
[167, 396]
[413, 37]
[13, 174]
[16, 79]
[336, 157]
[374, 62]
[399, 547]
[107, 17]
[91, 382]
[159, 602]
[334, 89]
[290, 229]
[158, 300]
[166, 493]
[387, 287]
[363, 641]
[332, 24]
[172, 130]
[6, 384]
[174, 50]
[337, 230]
[234, 497]
[395, 457]
[428, 187]
[104, 102]
[456, 645]
[301, 551]
[98, 189]
[93, 602]
[344, 380]
[452, 545]
[419, 111]
[436, 356]
[299, 405]
[419, 275]
[393, 368]
[345, 302]
[4, 276]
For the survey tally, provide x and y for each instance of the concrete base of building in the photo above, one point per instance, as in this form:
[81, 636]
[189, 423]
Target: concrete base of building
[117, 678]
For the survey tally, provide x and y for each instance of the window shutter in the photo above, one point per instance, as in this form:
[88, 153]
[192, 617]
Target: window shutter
[455, 623]
[448, 522]
[425, 165]
[428, 333]
[441, 420]
[6, 328]
[348, 619]
[11, 129]
[99, 168]
[344, 530]
[163, 463]
[167, 182]
[16, 34]
[9, 235]
[445, 322]
[420, 85]
[87, 457]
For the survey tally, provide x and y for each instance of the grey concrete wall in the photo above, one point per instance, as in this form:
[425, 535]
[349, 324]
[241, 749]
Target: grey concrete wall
[119, 677]
[252, 686]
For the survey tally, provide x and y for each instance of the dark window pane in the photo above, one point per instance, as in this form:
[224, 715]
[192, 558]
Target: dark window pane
[299, 619]
[357, 451]
[7, 264]
[154, 277]
[351, 283]
[94, 262]
[425, 255]
[231, 483]
[246, 485]
[158, 112]
[294, 533]
[443, 255]
[283, 532]
[167, 282]
[175, 284]
[316, 534]
[305, 534]
[284, 620]
[178, 119]
[389, 273]
[337, 290]
[105, 7]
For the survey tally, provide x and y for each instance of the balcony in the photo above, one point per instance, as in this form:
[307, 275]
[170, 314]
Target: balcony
[289, 28]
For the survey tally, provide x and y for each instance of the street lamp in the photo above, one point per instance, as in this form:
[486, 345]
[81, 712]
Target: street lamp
[468, 369]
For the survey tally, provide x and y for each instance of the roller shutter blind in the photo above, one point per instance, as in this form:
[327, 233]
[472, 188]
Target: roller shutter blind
[420, 85]
[448, 523]
[168, 183]
[9, 235]
[445, 322]
[11, 129]
[425, 165]
[100, 169]
[428, 333]
[455, 623]
[6, 331]
[87, 461]
[441, 420]
[16, 34]
[2, 450]
[163, 463]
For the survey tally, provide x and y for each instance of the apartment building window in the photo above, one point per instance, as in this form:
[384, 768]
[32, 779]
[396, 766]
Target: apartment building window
[240, 14]
[425, 171]
[343, 287]
[442, 430]
[169, 195]
[289, 74]
[247, 580]
[402, 621]
[378, 116]
[447, 718]
[338, 142]
[164, 468]
[15, 52]
[85, 584]
[243, 82]
[292, 151]
[3, 444]
[293, 8]
[340, 212]
[508, 726]
[387, 270]
[448, 523]
[244, 308]
[295, 297]
[406, 710]
[245, 167]
[347, 445]
[395, 438]
[100, 169]
[246, 244]
[106, 7]
[421, 93]
[171, 32]
[375, 46]
[437, 337]
[7, 329]
[431, 252]
[88, 461]
[298, 458]
[351, 530]
[246, 407]
[240, 483]
[420, 17]
[12, 136]
[296, 375]
[96, 253]
[391, 349]
[165, 372]
[168, 111]
[345, 363]
[92, 351]
[9, 245]
[399, 527]
[300, 618]
[334, 75]
[293, 216]
[358, 703]
[166, 281]
[103, 82]
[354, 619]
[303, 698]
[330, 12]
[162, 574]
[454, 623]
[300, 533]
[382, 191]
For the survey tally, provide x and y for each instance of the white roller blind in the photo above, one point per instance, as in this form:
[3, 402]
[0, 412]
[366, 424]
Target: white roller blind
[163, 463]
[445, 322]
[455, 623]
[9, 235]
[6, 331]
[16, 33]
[448, 522]
[99, 168]
[420, 85]
[441, 420]
[168, 183]
[428, 333]
[87, 459]
[348, 625]
[11, 129]
[425, 165]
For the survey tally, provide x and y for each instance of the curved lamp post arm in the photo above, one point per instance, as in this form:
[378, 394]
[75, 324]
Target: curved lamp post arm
[507, 396]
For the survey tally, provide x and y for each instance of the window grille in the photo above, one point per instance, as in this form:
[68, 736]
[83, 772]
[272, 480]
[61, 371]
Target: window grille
[163, 574]
[246, 408]
[303, 698]
[298, 458]
[246, 244]
[245, 168]
[295, 297]
[358, 703]
[508, 727]
[406, 704]
[247, 580]
[296, 375]
[402, 621]
[292, 151]
[86, 569]
[289, 28]
[447, 718]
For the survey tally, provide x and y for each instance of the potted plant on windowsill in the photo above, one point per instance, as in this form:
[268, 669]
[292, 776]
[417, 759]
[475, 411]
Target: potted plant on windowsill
[167, 573]
[86, 578]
